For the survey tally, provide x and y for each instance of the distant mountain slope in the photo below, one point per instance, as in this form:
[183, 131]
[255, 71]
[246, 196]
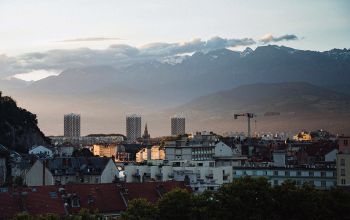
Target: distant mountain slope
[279, 106]
[18, 127]
[104, 94]
[273, 96]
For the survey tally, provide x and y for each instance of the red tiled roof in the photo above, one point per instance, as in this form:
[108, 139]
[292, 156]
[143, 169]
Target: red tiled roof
[106, 198]
[145, 190]
[148, 190]
[39, 201]
[170, 185]
[319, 149]
[9, 205]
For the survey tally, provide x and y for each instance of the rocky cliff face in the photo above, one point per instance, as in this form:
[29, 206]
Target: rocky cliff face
[18, 127]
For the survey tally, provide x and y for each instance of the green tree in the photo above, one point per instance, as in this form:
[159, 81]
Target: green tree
[85, 214]
[245, 198]
[140, 209]
[26, 216]
[205, 206]
[176, 204]
[23, 216]
[18, 181]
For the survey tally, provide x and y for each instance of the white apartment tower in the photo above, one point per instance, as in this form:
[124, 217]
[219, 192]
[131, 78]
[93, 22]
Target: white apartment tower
[72, 125]
[133, 127]
[178, 125]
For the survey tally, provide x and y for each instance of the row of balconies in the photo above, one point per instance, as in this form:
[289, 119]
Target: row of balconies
[285, 174]
[203, 152]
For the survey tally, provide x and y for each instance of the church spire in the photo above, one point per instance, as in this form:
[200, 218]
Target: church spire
[146, 135]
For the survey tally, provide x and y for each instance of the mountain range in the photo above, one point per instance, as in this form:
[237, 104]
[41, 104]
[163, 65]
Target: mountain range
[270, 79]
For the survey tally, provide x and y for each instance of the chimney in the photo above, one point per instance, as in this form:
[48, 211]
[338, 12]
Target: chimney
[44, 172]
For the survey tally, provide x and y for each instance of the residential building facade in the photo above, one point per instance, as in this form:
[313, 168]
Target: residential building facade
[71, 170]
[105, 150]
[322, 178]
[72, 125]
[133, 127]
[178, 125]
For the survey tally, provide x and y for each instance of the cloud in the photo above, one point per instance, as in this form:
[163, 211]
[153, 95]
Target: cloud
[36, 75]
[197, 44]
[268, 38]
[118, 56]
[89, 39]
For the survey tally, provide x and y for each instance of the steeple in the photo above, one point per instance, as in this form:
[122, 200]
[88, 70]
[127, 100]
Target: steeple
[146, 135]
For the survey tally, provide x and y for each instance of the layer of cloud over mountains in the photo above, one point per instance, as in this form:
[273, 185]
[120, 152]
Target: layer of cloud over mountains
[159, 80]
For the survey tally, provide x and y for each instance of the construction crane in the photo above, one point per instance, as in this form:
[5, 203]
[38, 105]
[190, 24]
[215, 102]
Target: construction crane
[249, 116]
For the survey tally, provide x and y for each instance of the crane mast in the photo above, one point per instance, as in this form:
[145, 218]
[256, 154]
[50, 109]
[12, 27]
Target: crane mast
[249, 116]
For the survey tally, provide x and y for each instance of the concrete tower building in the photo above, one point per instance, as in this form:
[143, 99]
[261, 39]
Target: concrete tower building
[178, 125]
[72, 125]
[133, 127]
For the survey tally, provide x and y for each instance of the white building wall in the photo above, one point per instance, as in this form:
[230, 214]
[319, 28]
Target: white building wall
[109, 173]
[34, 176]
[222, 150]
[166, 171]
[169, 153]
[129, 170]
[331, 156]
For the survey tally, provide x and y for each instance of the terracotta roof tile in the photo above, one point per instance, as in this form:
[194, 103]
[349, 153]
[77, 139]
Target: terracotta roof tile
[106, 198]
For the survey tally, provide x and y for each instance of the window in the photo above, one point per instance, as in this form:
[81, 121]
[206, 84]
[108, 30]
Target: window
[254, 172]
[342, 172]
[275, 173]
[287, 173]
[346, 142]
[343, 181]
[275, 182]
[323, 174]
[53, 194]
[323, 183]
[311, 173]
[90, 199]
[75, 202]
[342, 162]
[299, 173]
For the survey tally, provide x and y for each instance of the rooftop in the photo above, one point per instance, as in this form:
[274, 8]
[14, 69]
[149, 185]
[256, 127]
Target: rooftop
[107, 198]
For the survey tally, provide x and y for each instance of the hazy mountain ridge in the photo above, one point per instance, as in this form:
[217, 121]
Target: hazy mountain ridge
[104, 94]
[296, 105]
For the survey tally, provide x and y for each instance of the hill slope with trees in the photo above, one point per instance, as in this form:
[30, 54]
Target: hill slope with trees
[18, 127]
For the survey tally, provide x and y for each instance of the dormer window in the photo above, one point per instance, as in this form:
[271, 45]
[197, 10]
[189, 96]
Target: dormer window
[90, 199]
[75, 203]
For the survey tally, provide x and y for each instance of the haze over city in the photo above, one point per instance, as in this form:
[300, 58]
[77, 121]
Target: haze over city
[109, 58]
[160, 109]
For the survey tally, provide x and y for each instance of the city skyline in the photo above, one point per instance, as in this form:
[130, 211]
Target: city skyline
[117, 109]
[178, 60]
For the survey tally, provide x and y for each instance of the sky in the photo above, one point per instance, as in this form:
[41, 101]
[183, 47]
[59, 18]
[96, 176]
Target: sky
[41, 25]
